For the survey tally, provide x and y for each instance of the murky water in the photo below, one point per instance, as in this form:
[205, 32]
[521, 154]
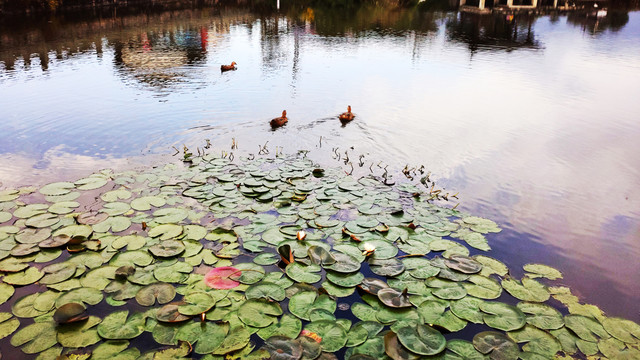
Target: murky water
[533, 120]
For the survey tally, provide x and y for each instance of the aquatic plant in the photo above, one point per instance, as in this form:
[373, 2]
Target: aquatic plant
[266, 258]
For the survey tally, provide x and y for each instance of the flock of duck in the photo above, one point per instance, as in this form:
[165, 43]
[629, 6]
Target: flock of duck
[345, 117]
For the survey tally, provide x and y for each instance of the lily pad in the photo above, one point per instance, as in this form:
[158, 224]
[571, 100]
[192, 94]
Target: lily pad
[498, 346]
[288, 326]
[79, 334]
[539, 270]
[265, 290]
[422, 339]
[303, 273]
[259, 313]
[541, 316]
[161, 292]
[119, 325]
[167, 248]
[333, 336]
[36, 337]
[502, 316]
[527, 290]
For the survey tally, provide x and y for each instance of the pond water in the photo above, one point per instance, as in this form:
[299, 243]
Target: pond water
[532, 120]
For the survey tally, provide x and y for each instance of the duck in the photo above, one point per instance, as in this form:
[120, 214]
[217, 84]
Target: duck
[228, 67]
[347, 116]
[277, 122]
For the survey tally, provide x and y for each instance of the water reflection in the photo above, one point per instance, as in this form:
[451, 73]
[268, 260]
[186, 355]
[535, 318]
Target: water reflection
[537, 129]
[506, 32]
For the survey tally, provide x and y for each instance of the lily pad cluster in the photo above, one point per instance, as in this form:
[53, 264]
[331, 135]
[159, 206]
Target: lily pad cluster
[273, 259]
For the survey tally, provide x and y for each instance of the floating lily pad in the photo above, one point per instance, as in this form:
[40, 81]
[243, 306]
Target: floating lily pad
[145, 203]
[527, 290]
[119, 325]
[422, 339]
[541, 316]
[537, 341]
[259, 313]
[167, 248]
[166, 231]
[236, 339]
[169, 313]
[265, 290]
[333, 336]
[58, 188]
[36, 337]
[502, 316]
[283, 348]
[498, 346]
[196, 303]
[161, 292]
[79, 334]
[288, 326]
[25, 277]
[304, 273]
[8, 324]
[622, 329]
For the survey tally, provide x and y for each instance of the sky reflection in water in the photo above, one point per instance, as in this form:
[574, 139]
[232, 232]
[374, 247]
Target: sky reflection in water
[534, 121]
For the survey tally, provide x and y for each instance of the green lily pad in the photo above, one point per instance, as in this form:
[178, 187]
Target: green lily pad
[283, 348]
[622, 329]
[63, 207]
[8, 324]
[265, 290]
[58, 188]
[31, 236]
[464, 349]
[196, 303]
[25, 277]
[114, 223]
[288, 326]
[58, 272]
[537, 341]
[91, 183]
[236, 339]
[387, 267]
[333, 336]
[304, 273]
[166, 231]
[6, 291]
[463, 264]
[119, 325]
[79, 334]
[483, 287]
[42, 220]
[394, 298]
[527, 290]
[169, 313]
[539, 270]
[88, 296]
[161, 292]
[302, 303]
[170, 215]
[421, 339]
[115, 349]
[206, 336]
[541, 316]
[259, 313]
[167, 248]
[498, 346]
[145, 203]
[36, 337]
[586, 328]
[70, 312]
[395, 349]
[502, 316]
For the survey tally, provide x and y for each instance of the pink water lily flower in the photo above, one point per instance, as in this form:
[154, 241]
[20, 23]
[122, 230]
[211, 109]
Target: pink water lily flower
[220, 277]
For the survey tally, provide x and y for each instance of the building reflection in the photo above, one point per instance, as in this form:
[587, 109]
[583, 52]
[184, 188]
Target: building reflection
[504, 32]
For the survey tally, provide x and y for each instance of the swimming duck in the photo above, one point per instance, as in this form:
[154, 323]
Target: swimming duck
[228, 67]
[347, 116]
[277, 122]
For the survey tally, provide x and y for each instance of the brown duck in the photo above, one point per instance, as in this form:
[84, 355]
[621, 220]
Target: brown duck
[347, 116]
[277, 122]
[228, 67]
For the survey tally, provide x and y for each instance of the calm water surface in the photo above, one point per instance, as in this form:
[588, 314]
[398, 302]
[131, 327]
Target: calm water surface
[534, 121]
